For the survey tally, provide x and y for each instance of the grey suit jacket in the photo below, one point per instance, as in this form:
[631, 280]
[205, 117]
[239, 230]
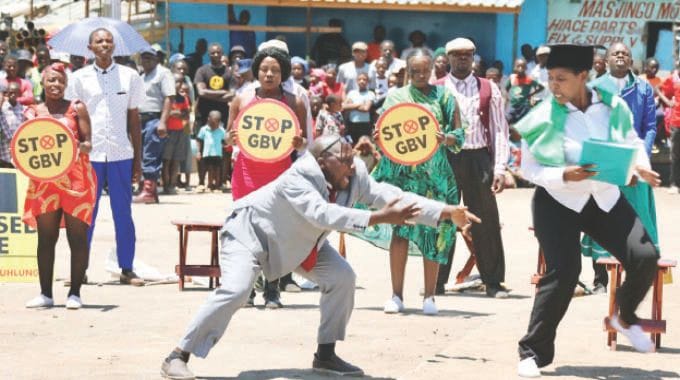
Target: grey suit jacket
[282, 221]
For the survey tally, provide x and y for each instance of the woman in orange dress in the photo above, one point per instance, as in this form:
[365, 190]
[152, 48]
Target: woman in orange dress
[67, 201]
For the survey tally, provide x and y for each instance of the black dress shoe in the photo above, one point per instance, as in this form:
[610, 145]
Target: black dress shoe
[496, 291]
[336, 366]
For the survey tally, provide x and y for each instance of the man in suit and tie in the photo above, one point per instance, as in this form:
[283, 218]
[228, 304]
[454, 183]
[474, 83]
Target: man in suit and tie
[308, 201]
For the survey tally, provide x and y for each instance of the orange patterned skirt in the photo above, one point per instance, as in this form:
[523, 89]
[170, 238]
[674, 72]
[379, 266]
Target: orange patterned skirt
[74, 193]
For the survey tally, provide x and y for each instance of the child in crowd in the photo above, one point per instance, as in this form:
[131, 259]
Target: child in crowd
[174, 149]
[359, 103]
[298, 69]
[316, 104]
[211, 140]
[332, 85]
[187, 163]
[330, 120]
[381, 80]
[317, 83]
[521, 88]
[11, 117]
[366, 151]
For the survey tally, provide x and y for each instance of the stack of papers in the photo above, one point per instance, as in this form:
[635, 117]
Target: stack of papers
[614, 162]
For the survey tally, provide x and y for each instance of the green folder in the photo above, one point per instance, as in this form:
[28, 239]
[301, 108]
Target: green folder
[614, 162]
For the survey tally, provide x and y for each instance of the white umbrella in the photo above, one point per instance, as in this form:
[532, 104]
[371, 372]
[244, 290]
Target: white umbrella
[74, 38]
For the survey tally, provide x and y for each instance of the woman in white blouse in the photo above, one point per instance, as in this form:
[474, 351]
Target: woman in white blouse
[569, 201]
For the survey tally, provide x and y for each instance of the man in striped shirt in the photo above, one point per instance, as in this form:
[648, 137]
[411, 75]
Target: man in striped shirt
[479, 167]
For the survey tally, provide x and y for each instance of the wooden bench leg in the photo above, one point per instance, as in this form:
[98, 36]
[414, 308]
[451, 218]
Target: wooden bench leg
[657, 304]
[614, 284]
[182, 255]
[342, 248]
[214, 259]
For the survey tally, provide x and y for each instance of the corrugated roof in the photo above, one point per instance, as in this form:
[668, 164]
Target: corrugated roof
[478, 6]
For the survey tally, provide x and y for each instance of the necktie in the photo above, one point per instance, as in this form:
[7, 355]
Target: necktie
[310, 261]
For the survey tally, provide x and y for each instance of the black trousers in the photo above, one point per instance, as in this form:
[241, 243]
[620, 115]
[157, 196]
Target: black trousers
[474, 176]
[675, 156]
[558, 231]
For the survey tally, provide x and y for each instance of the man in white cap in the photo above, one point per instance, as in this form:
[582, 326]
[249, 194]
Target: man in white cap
[479, 167]
[348, 72]
[540, 71]
[292, 87]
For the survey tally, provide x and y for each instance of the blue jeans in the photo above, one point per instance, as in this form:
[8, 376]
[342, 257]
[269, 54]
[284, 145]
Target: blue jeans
[118, 176]
[152, 150]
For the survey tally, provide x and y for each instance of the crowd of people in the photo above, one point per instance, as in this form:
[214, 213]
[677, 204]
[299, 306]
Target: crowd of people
[146, 124]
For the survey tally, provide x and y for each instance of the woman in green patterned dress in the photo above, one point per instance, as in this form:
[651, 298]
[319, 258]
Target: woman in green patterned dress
[433, 179]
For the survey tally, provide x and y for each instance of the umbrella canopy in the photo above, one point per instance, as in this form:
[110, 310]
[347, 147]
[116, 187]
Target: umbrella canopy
[74, 38]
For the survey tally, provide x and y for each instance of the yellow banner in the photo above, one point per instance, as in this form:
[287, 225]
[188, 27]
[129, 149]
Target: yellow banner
[266, 129]
[18, 242]
[43, 149]
[407, 134]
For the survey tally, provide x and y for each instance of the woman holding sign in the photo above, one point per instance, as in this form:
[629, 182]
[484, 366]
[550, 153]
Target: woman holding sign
[270, 66]
[568, 201]
[433, 178]
[66, 201]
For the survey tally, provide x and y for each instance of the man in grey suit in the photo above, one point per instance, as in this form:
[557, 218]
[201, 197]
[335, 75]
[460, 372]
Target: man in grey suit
[274, 229]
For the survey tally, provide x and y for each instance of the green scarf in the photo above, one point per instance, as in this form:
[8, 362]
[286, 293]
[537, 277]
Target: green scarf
[543, 127]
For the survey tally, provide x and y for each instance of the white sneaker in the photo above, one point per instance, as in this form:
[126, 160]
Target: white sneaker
[40, 301]
[429, 308]
[528, 368]
[394, 306]
[73, 302]
[673, 190]
[635, 335]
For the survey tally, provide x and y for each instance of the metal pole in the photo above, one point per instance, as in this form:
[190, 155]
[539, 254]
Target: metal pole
[30, 11]
[167, 26]
[515, 28]
[87, 8]
[308, 33]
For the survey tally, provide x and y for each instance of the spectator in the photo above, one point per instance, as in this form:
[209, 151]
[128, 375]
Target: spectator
[159, 86]
[116, 139]
[243, 38]
[359, 103]
[381, 78]
[195, 59]
[174, 151]
[417, 39]
[243, 76]
[299, 71]
[211, 139]
[670, 96]
[480, 166]
[528, 54]
[349, 71]
[651, 69]
[181, 66]
[316, 104]
[332, 85]
[237, 52]
[599, 66]
[441, 65]
[11, 117]
[329, 120]
[521, 88]
[11, 67]
[77, 62]
[317, 84]
[393, 64]
[331, 47]
[493, 75]
[366, 151]
[540, 72]
[374, 51]
[212, 84]
[4, 49]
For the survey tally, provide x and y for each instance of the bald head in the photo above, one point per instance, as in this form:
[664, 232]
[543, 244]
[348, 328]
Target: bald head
[326, 143]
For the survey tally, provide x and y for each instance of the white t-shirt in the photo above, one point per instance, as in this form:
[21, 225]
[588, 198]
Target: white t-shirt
[348, 72]
[357, 97]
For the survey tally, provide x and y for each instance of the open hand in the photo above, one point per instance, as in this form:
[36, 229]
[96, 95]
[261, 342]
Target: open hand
[649, 175]
[578, 173]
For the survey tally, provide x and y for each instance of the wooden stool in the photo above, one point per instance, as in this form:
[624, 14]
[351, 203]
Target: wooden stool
[460, 277]
[655, 326]
[183, 269]
[540, 266]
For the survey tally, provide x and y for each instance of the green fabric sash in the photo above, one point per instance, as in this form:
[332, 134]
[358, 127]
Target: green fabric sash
[543, 127]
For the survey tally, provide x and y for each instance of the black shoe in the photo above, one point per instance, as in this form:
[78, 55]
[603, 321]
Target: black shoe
[273, 303]
[335, 366]
[250, 302]
[496, 291]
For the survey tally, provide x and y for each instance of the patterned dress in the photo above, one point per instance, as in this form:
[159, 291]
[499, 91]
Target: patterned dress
[433, 179]
[74, 192]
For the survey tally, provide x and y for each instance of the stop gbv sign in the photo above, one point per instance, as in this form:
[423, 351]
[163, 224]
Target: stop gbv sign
[407, 133]
[43, 149]
[266, 129]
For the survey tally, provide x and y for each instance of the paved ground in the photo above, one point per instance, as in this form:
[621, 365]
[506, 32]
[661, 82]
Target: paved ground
[125, 332]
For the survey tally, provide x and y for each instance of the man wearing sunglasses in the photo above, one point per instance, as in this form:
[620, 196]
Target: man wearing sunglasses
[282, 227]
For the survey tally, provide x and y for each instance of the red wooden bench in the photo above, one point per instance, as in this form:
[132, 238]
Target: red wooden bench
[655, 325]
[211, 270]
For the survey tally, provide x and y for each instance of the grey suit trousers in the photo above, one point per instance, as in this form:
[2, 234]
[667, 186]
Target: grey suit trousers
[240, 267]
